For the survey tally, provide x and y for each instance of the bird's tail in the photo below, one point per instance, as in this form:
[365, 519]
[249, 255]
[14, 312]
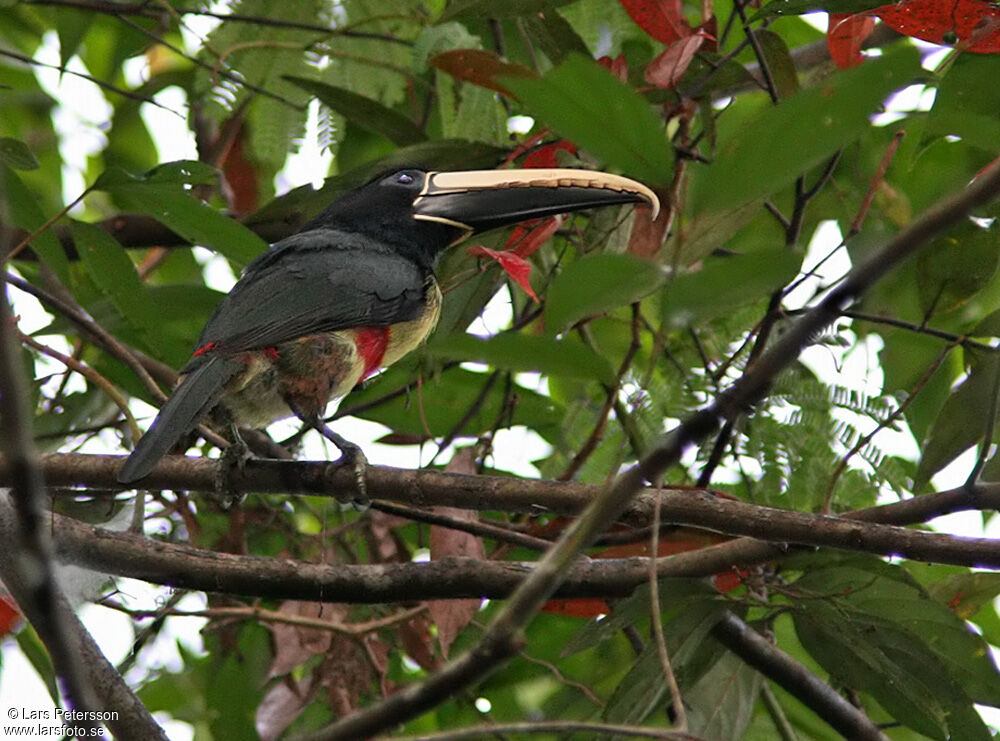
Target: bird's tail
[197, 393]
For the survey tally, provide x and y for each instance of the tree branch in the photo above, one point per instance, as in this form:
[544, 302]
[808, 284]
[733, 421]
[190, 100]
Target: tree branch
[796, 679]
[126, 716]
[185, 567]
[26, 564]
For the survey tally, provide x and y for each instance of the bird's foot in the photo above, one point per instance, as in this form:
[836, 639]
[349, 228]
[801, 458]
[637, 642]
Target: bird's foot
[232, 461]
[351, 455]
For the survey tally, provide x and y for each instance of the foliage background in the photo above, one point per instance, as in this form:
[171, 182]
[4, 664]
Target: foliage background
[755, 142]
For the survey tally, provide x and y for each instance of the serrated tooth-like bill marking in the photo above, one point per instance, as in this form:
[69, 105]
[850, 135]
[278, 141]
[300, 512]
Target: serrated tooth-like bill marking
[465, 180]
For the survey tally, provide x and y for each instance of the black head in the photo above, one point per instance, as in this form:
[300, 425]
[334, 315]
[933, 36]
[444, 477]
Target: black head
[425, 212]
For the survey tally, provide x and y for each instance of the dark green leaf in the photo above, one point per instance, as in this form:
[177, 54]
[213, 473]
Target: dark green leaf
[691, 652]
[722, 702]
[363, 111]
[519, 352]
[799, 7]
[967, 101]
[19, 206]
[497, 8]
[16, 154]
[178, 172]
[588, 105]
[72, 26]
[596, 284]
[160, 194]
[919, 635]
[952, 269]
[758, 158]
[779, 62]
[114, 274]
[554, 35]
[963, 420]
[852, 648]
[726, 283]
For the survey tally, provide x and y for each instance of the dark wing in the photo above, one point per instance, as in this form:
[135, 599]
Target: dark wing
[317, 281]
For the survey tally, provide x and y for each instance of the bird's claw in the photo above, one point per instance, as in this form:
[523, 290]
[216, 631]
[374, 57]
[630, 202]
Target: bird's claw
[352, 455]
[232, 460]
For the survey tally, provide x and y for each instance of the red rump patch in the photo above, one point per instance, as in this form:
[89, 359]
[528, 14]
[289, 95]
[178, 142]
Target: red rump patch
[271, 353]
[371, 343]
[205, 348]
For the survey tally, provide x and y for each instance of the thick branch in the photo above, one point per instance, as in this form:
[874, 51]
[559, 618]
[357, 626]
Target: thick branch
[426, 488]
[26, 565]
[181, 566]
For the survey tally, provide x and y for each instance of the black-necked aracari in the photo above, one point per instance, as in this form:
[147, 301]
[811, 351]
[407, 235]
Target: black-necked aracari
[350, 293]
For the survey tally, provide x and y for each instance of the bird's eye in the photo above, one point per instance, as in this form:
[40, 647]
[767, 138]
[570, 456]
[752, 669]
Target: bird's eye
[404, 178]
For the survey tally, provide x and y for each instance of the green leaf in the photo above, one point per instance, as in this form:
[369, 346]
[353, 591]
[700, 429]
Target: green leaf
[114, 274]
[498, 8]
[722, 702]
[34, 651]
[800, 7]
[900, 630]
[726, 283]
[596, 284]
[779, 62]
[19, 206]
[963, 420]
[72, 27]
[967, 102]
[554, 35]
[852, 648]
[691, 651]
[160, 194]
[520, 352]
[966, 593]
[178, 172]
[757, 159]
[365, 112]
[588, 105]
[16, 154]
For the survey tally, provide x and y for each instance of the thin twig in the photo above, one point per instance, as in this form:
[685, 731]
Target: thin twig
[680, 713]
[91, 375]
[100, 83]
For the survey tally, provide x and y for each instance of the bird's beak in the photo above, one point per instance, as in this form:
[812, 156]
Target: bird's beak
[480, 200]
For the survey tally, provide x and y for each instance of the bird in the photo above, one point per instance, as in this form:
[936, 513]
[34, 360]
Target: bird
[349, 294]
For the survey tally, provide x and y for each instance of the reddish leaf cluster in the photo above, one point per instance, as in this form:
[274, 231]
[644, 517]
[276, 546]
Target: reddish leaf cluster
[972, 25]
[664, 20]
[680, 540]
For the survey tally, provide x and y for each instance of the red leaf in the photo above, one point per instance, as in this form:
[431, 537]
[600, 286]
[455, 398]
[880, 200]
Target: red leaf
[514, 265]
[524, 146]
[975, 23]
[617, 66]
[546, 156]
[240, 175]
[710, 30]
[647, 235]
[480, 68]
[585, 607]
[10, 615]
[844, 35]
[524, 241]
[667, 69]
[662, 19]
